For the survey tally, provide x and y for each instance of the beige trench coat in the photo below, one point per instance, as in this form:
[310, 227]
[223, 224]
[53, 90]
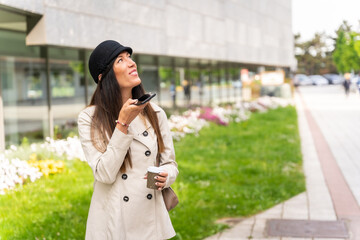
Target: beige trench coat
[122, 207]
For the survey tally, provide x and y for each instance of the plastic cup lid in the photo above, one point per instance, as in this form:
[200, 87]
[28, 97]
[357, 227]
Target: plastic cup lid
[155, 169]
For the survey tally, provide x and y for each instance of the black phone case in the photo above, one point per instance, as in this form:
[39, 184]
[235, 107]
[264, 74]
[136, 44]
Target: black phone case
[145, 98]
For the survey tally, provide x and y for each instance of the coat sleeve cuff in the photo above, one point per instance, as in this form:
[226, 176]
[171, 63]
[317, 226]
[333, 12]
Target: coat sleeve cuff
[172, 174]
[120, 140]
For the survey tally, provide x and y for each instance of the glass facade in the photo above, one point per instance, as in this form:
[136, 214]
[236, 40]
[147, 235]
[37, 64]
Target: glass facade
[31, 109]
[23, 91]
[67, 86]
[44, 88]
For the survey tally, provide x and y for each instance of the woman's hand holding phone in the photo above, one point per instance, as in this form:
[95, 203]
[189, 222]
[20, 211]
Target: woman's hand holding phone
[130, 109]
[128, 113]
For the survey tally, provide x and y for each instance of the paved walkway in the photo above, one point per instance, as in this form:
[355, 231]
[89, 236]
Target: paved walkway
[329, 126]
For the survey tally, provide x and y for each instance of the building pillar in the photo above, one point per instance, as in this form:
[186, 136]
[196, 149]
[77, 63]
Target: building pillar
[210, 85]
[2, 129]
[234, 79]
[158, 80]
[200, 83]
[219, 83]
[45, 54]
[173, 84]
[227, 79]
[86, 78]
[201, 86]
[190, 83]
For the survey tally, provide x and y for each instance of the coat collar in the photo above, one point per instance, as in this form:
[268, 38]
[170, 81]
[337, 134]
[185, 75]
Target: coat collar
[155, 107]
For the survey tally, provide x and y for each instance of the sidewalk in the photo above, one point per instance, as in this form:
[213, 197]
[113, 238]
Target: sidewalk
[331, 201]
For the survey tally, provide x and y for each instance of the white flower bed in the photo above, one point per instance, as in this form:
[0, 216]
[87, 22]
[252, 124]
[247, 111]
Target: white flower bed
[14, 168]
[70, 148]
[192, 121]
[189, 122]
[15, 171]
[237, 113]
[274, 102]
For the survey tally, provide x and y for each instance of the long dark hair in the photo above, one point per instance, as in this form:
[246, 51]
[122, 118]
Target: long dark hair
[108, 101]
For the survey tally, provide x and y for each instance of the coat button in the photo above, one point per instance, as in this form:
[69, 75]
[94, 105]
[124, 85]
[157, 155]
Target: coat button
[147, 153]
[126, 198]
[124, 176]
[149, 196]
[145, 133]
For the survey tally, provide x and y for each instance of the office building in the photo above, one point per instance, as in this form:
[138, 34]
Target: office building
[45, 45]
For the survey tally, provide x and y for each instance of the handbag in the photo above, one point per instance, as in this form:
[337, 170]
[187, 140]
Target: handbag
[169, 196]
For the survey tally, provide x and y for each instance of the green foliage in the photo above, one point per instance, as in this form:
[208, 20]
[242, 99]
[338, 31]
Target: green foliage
[347, 49]
[166, 74]
[230, 171]
[65, 131]
[192, 74]
[77, 67]
[234, 72]
[63, 91]
[313, 56]
[25, 142]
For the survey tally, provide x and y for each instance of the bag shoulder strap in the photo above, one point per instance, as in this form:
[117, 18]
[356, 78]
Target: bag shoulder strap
[158, 159]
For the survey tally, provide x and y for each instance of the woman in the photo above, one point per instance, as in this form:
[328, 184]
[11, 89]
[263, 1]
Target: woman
[120, 141]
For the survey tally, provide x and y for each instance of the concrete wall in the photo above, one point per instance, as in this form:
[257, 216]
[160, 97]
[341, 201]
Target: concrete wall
[248, 31]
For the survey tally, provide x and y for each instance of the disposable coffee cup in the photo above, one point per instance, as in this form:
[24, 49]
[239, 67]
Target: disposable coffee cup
[151, 174]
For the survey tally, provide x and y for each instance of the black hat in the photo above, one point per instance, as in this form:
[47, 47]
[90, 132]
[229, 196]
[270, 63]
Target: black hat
[102, 56]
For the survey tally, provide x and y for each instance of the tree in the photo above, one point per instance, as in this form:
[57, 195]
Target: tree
[347, 49]
[314, 56]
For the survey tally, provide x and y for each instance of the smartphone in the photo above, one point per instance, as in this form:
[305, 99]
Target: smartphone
[145, 98]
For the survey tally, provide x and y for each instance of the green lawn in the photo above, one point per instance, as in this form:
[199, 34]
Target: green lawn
[50, 208]
[230, 171]
[237, 170]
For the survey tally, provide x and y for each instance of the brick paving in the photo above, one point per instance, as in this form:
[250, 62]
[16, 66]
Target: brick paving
[329, 127]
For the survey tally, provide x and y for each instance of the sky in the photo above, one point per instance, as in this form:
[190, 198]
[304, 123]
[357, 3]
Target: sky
[311, 16]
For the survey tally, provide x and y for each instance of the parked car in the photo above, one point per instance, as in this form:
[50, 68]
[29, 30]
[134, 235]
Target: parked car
[358, 83]
[318, 80]
[355, 79]
[301, 80]
[334, 78]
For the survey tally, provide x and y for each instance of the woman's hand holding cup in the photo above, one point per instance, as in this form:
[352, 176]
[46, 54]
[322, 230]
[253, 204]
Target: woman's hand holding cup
[156, 178]
[161, 180]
